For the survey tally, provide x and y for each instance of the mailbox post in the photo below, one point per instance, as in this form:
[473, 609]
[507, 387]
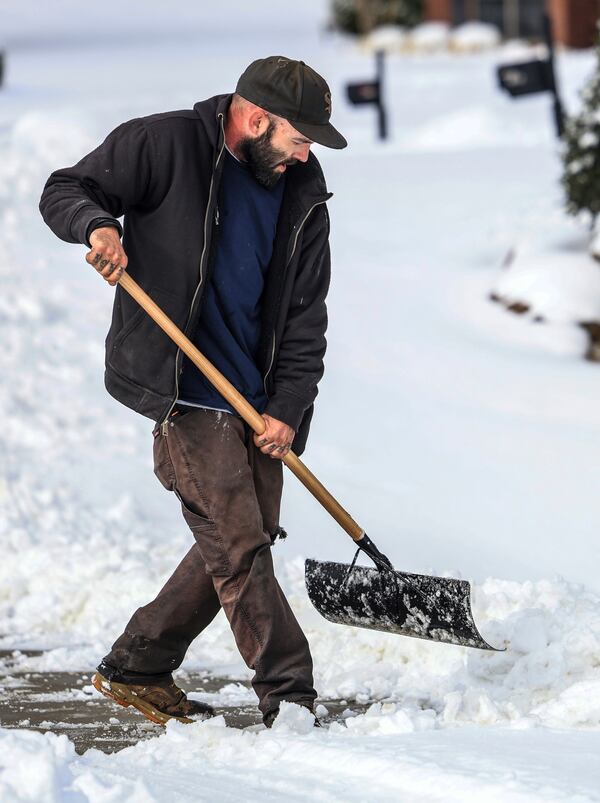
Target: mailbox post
[371, 92]
[531, 77]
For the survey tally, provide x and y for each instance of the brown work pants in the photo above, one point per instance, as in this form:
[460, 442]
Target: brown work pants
[230, 496]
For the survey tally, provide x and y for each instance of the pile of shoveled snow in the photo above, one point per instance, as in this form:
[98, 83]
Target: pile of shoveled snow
[546, 676]
[549, 278]
[408, 759]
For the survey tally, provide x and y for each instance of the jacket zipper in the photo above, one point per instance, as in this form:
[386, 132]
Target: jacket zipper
[291, 256]
[164, 427]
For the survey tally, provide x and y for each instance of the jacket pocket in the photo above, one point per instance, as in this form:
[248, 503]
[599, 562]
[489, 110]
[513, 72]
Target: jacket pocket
[142, 352]
[128, 328]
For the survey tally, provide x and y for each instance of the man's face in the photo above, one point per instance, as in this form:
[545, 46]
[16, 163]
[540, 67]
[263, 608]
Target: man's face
[269, 153]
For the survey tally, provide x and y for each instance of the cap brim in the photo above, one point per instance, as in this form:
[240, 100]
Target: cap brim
[325, 134]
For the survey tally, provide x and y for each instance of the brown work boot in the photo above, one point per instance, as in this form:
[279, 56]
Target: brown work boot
[157, 703]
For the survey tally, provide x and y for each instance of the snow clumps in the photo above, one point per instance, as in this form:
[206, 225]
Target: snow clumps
[432, 37]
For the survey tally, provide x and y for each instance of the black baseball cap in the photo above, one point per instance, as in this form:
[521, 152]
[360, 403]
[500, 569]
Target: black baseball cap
[292, 90]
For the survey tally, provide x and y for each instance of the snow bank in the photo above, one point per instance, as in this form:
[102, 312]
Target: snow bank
[44, 768]
[469, 128]
[550, 280]
[389, 38]
[472, 37]
[383, 755]
[429, 37]
[521, 50]
[432, 37]
[551, 631]
[34, 767]
[556, 287]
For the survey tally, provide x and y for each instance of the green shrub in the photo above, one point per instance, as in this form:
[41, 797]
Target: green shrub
[581, 154]
[361, 16]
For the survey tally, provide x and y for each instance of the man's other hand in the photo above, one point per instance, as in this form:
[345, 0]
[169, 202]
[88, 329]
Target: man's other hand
[107, 254]
[276, 440]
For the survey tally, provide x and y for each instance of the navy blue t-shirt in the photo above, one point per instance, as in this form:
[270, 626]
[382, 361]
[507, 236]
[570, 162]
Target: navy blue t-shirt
[228, 332]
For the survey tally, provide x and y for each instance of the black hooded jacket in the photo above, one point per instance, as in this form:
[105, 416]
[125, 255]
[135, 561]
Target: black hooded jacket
[162, 173]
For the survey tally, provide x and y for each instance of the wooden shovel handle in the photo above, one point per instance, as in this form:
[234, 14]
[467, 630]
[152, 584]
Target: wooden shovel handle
[239, 403]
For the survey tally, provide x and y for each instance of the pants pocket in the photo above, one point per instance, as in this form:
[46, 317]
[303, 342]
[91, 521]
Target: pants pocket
[163, 467]
[208, 539]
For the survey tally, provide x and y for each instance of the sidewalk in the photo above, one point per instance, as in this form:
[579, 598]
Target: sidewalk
[66, 702]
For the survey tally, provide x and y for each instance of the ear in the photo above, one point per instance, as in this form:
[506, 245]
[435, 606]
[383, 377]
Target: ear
[258, 122]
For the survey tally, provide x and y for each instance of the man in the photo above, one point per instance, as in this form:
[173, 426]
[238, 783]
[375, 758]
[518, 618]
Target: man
[225, 226]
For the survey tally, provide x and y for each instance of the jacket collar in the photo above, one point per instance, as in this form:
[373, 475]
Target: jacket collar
[305, 182]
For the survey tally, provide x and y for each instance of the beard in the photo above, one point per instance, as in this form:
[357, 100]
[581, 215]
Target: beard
[262, 158]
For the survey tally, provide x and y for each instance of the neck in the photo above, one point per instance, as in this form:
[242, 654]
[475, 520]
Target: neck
[233, 134]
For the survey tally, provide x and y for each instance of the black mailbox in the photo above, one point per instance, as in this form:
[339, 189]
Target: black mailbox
[361, 93]
[364, 92]
[526, 78]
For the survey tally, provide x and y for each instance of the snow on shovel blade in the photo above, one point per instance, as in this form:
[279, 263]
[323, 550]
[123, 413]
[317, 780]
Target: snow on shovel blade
[435, 608]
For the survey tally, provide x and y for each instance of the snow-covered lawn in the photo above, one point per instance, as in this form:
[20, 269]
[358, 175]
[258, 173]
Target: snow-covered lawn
[463, 438]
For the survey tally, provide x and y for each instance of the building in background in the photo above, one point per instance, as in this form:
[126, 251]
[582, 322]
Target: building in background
[574, 20]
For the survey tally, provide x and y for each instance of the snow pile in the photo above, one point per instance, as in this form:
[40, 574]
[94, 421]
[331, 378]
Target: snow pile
[294, 719]
[548, 666]
[553, 287]
[521, 50]
[544, 676]
[429, 37]
[472, 37]
[469, 128]
[432, 37]
[34, 767]
[389, 38]
[37, 767]
[383, 755]
[552, 283]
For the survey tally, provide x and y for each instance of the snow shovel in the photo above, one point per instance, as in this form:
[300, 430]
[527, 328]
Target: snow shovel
[380, 598]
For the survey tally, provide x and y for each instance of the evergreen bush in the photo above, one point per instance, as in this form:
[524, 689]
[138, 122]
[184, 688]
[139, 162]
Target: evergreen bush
[361, 16]
[581, 154]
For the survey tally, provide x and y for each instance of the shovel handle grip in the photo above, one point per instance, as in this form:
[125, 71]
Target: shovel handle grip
[239, 403]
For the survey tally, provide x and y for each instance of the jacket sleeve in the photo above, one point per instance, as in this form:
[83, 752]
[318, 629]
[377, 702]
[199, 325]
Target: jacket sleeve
[299, 365]
[104, 184]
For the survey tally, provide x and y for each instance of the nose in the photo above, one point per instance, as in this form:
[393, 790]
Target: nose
[301, 153]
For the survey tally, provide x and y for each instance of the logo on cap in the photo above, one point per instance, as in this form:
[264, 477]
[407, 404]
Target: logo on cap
[327, 99]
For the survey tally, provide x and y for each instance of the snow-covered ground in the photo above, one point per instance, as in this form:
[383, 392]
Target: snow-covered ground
[464, 439]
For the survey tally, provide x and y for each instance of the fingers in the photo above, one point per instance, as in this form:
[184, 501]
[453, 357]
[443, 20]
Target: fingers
[276, 440]
[114, 273]
[265, 443]
[108, 265]
[281, 451]
[273, 448]
[276, 451]
[108, 258]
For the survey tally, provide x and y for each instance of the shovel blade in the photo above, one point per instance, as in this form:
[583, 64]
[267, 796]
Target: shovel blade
[434, 608]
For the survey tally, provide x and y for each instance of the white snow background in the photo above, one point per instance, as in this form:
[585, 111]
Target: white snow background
[462, 438]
